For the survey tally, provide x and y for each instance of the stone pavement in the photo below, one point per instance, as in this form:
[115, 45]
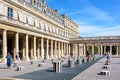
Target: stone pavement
[48, 74]
[92, 72]
[33, 72]
[8, 73]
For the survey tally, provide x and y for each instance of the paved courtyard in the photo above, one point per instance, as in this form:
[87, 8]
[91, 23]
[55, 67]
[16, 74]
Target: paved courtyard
[92, 73]
[86, 71]
[43, 73]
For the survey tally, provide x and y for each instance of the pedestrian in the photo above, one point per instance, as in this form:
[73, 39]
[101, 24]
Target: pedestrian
[17, 57]
[108, 57]
[88, 56]
[9, 60]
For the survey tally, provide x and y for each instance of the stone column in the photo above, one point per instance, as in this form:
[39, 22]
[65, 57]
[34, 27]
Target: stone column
[93, 53]
[78, 50]
[32, 48]
[16, 44]
[42, 49]
[69, 50]
[62, 49]
[87, 47]
[47, 49]
[4, 46]
[75, 50]
[38, 49]
[104, 49]
[84, 49]
[26, 47]
[81, 50]
[51, 49]
[35, 57]
[58, 50]
[101, 49]
[111, 49]
[117, 50]
[55, 52]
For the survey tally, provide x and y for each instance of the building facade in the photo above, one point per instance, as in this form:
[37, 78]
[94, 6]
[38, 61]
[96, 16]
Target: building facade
[35, 31]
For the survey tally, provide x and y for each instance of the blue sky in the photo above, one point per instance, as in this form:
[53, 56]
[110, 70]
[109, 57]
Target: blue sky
[94, 17]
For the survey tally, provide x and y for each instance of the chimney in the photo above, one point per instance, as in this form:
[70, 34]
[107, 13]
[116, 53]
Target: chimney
[56, 11]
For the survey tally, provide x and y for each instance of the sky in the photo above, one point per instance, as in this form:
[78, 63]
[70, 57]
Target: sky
[94, 17]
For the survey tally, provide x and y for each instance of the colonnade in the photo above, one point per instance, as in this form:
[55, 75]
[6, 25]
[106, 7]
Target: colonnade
[32, 47]
[101, 48]
[37, 48]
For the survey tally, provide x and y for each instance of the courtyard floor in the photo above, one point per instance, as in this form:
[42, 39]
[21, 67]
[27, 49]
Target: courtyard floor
[86, 71]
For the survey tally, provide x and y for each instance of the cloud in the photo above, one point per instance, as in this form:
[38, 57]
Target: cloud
[91, 12]
[74, 13]
[93, 31]
[98, 14]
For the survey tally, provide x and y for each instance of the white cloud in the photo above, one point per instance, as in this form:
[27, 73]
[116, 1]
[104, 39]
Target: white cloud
[98, 14]
[91, 12]
[74, 13]
[90, 31]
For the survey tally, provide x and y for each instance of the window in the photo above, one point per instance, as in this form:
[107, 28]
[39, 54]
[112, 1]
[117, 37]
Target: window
[50, 28]
[29, 20]
[35, 3]
[10, 12]
[44, 27]
[41, 25]
[1, 8]
[20, 17]
[36, 23]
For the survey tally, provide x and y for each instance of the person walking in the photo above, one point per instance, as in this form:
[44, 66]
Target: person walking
[9, 60]
[88, 56]
[17, 57]
[108, 57]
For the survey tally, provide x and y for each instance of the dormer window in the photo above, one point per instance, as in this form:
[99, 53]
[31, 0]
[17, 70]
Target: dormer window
[34, 2]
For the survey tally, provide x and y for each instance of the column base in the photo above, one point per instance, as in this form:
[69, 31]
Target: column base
[35, 58]
[4, 60]
[47, 57]
[38, 57]
[51, 56]
[27, 58]
[56, 56]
